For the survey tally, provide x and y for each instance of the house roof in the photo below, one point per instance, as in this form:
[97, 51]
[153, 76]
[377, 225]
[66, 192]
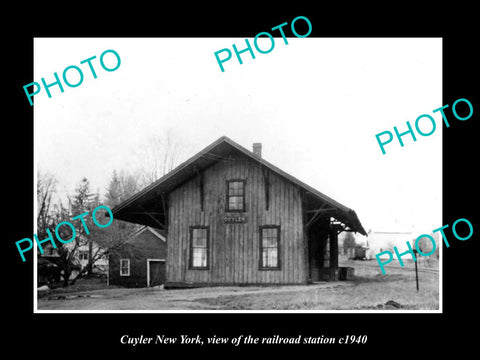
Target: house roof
[155, 231]
[145, 208]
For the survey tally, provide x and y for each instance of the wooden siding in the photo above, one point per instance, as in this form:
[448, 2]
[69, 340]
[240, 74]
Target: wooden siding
[234, 247]
[144, 246]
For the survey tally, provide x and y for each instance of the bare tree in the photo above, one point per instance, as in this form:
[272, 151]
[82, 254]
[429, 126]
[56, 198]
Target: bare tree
[46, 188]
[157, 156]
[100, 242]
[67, 259]
[47, 271]
[112, 240]
[426, 246]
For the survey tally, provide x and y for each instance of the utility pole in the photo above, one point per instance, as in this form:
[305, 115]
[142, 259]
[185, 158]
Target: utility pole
[416, 269]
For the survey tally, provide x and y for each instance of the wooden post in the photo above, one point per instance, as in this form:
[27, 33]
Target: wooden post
[333, 253]
[334, 249]
[306, 239]
[416, 269]
[108, 271]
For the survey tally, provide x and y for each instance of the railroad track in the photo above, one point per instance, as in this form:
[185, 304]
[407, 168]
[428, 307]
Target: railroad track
[420, 269]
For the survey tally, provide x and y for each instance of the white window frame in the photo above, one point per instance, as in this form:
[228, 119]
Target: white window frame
[83, 254]
[128, 267]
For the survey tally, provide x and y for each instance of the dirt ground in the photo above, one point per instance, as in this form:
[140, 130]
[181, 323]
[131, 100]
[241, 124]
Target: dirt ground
[368, 290]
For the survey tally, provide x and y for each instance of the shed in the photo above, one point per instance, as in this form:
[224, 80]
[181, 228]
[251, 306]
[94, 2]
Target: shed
[141, 261]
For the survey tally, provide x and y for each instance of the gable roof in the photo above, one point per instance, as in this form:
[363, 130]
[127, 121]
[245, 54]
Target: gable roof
[145, 208]
[157, 232]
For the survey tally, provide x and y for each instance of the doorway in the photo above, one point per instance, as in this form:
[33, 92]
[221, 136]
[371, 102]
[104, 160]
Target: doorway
[155, 272]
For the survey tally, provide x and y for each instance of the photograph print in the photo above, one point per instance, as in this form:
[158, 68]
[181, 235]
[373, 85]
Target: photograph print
[260, 188]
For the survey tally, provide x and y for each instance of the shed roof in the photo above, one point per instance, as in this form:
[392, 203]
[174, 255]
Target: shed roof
[144, 207]
[155, 231]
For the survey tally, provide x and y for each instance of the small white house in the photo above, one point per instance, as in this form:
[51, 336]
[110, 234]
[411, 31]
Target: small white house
[379, 241]
[100, 265]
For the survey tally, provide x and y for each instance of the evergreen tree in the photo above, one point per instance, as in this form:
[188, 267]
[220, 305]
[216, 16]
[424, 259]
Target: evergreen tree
[83, 198]
[84, 201]
[112, 239]
[113, 193]
[348, 242]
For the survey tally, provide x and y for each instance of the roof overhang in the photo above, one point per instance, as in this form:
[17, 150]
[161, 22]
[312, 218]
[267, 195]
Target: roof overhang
[149, 206]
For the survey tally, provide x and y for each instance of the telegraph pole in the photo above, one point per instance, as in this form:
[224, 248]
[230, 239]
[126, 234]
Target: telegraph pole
[416, 269]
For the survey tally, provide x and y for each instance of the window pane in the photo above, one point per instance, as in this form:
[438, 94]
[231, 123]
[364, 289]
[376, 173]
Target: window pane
[269, 232]
[124, 267]
[270, 245]
[235, 188]
[270, 257]
[240, 188]
[231, 188]
[200, 243]
[236, 195]
[264, 258]
[199, 248]
[235, 203]
[269, 237]
[269, 242]
[265, 233]
[199, 238]
[199, 257]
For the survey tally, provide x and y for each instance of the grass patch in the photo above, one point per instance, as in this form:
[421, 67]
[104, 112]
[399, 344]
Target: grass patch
[80, 285]
[360, 295]
[369, 290]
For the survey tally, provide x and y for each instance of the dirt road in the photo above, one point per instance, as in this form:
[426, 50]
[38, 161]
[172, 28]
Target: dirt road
[157, 298]
[368, 290]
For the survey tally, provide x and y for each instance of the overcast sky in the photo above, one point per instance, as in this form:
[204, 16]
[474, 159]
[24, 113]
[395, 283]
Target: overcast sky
[315, 104]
